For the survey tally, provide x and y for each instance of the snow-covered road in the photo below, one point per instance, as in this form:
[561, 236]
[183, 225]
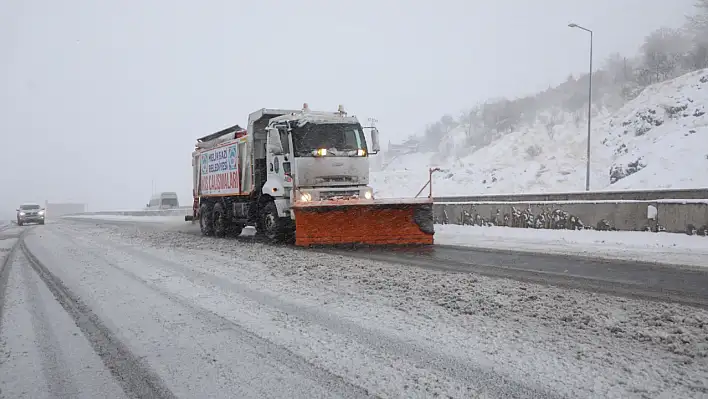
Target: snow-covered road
[129, 311]
[667, 267]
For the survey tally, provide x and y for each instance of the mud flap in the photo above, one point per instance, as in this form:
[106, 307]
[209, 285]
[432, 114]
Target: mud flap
[365, 222]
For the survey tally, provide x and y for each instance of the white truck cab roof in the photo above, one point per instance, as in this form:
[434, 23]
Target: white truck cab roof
[307, 116]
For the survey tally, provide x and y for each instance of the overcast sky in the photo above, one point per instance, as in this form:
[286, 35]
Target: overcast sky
[98, 98]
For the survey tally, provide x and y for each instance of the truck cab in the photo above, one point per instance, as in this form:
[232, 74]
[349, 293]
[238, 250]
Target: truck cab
[316, 156]
[163, 200]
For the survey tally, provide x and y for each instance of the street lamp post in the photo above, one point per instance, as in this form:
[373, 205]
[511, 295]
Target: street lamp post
[587, 167]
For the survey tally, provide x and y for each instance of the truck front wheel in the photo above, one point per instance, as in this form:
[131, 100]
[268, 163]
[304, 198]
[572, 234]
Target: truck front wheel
[206, 219]
[274, 227]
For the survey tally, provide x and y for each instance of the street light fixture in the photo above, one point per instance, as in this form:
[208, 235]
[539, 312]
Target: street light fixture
[587, 171]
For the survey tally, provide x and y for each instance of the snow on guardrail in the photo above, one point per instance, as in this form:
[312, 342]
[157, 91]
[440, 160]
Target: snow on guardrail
[584, 196]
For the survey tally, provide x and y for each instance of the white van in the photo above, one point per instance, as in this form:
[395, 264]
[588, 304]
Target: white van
[164, 200]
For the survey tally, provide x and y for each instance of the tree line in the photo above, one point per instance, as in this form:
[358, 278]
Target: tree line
[665, 54]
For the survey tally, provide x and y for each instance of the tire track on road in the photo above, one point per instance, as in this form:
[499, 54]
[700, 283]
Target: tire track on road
[54, 367]
[538, 268]
[136, 379]
[336, 384]
[292, 360]
[452, 366]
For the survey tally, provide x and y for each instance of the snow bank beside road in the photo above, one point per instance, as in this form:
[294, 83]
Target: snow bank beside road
[626, 245]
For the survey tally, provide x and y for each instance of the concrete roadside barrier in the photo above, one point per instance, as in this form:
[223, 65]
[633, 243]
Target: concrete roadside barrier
[671, 215]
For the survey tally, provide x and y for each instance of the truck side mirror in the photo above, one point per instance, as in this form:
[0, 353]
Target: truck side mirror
[275, 146]
[375, 146]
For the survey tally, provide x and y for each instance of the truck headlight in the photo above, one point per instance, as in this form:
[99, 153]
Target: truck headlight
[22, 214]
[306, 197]
[368, 194]
[40, 213]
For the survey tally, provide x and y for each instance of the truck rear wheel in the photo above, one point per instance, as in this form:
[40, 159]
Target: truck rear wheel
[274, 227]
[221, 221]
[206, 219]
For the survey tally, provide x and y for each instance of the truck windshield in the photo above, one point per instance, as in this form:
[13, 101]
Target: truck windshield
[170, 202]
[338, 139]
[28, 207]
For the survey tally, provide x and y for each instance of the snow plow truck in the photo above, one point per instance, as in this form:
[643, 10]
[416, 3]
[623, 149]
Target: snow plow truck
[302, 175]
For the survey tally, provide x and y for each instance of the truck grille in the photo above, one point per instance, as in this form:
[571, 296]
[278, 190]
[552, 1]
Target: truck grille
[330, 195]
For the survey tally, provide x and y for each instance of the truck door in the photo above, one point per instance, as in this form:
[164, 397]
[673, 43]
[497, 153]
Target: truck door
[287, 159]
[279, 167]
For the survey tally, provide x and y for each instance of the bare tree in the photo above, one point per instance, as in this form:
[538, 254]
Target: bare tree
[698, 29]
[619, 68]
[663, 52]
[698, 23]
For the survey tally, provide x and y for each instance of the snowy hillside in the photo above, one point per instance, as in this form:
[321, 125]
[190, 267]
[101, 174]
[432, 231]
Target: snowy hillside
[657, 140]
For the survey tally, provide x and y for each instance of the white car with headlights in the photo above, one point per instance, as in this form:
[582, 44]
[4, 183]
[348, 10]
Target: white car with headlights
[30, 213]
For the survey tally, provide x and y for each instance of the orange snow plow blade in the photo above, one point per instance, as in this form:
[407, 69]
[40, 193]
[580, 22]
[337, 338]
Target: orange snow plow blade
[367, 222]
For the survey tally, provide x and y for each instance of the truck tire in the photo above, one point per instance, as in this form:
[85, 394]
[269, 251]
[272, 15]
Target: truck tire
[206, 220]
[275, 228]
[220, 221]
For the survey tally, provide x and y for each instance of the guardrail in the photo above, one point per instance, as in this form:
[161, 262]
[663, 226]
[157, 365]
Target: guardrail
[671, 210]
[156, 212]
[636, 195]
[672, 215]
